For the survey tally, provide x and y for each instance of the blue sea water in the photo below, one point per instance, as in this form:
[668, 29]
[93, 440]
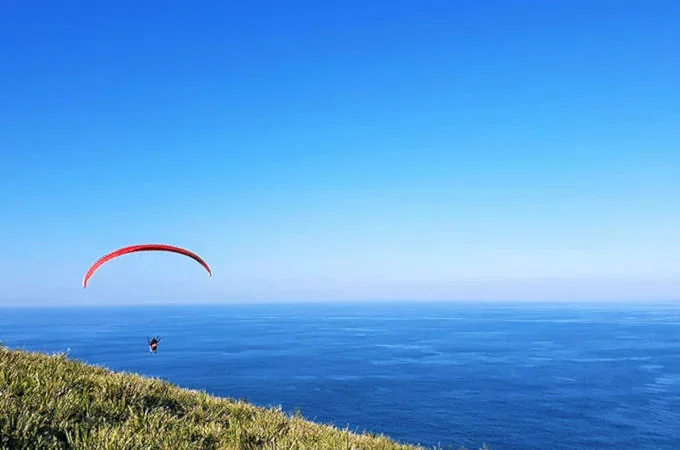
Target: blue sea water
[512, 376]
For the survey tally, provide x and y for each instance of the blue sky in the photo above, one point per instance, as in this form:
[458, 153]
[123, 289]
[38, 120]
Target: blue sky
[313, 151]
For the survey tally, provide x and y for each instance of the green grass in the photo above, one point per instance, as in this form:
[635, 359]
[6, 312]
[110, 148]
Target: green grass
[53, 402]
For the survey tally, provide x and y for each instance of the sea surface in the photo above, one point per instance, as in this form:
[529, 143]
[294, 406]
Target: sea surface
[526, 376]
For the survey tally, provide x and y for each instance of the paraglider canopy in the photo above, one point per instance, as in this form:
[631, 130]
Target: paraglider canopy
[143, 248]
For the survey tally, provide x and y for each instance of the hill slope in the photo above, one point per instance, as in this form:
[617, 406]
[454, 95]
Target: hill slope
[51, 402]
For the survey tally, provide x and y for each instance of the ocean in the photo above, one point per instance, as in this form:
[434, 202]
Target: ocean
[513, 376]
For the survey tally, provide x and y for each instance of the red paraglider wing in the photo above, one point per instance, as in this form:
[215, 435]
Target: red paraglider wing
[143, 248]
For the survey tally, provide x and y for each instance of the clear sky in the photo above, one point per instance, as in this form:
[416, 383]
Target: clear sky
[340, 150]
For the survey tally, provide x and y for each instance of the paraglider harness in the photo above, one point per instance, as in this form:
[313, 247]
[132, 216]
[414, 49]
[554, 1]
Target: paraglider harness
[153, 344]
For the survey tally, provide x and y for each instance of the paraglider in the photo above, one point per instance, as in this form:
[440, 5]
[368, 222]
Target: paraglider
[143, 248]
[153, 344]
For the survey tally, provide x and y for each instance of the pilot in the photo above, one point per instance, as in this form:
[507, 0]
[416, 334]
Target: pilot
[153, 344]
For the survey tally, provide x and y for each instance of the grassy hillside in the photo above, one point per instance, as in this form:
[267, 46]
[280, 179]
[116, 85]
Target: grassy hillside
[51, 402]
